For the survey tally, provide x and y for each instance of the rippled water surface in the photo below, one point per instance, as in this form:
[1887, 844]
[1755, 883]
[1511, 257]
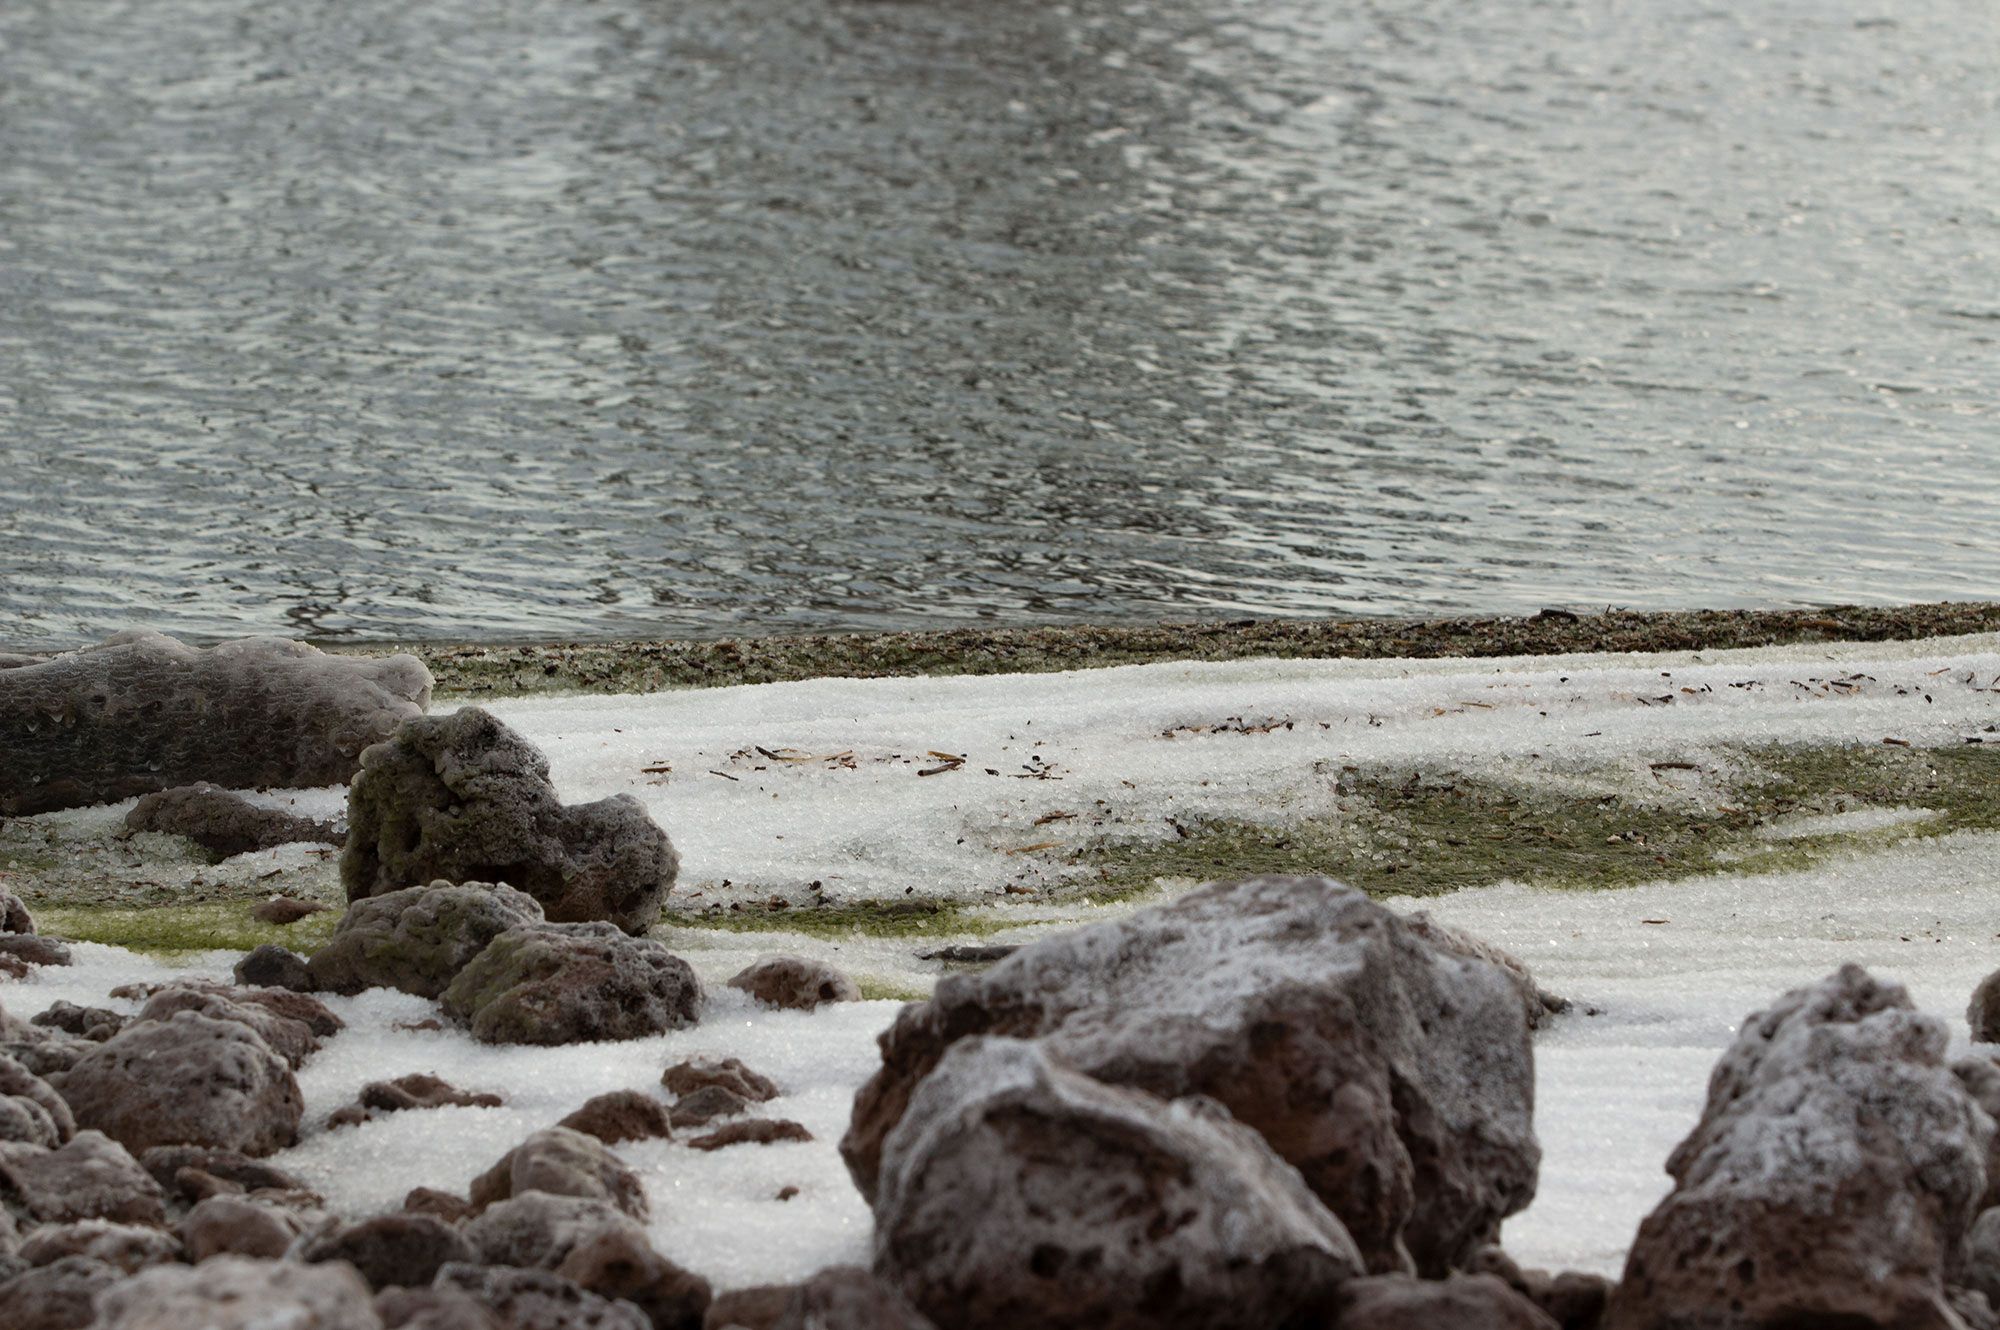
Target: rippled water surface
[533, 318]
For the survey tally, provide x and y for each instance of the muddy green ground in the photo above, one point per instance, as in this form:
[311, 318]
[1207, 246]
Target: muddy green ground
[1393, 832]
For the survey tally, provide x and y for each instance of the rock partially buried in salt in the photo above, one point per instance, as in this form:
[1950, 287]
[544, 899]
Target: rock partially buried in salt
[269, 965]
[14, 916]
[89, 1177]
[239, 1226]
[143, 712]
[1016, 1192]
[706, 1105]
[169, 1165]
[795, 983]
[403, 1250]
[463, 798]
[187, 1080]
[621, 1115]
[96, 1024]
[415, 1091]
[239, 1293]
[538, 1230]
[685, 1078]
[538, 1299]
[33, 949]
[284, 911]
[570, 984]
[1829, 1181]
[561, 1162]
[417, 939]
[57, 1296]
[617, 1263]
[755, 1131]
[223, 823]
[1395, 1075]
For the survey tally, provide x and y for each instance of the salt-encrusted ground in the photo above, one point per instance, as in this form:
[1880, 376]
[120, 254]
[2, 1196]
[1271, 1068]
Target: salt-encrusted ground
[1670, 968]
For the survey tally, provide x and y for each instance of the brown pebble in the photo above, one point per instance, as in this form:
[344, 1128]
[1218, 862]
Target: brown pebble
[285, 910]
[756, 1131]
[786, 1193]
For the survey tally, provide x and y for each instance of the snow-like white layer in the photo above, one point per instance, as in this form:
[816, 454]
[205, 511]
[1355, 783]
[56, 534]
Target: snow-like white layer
[1670, 968]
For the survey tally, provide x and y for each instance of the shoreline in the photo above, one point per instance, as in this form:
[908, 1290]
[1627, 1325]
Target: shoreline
[645, 666]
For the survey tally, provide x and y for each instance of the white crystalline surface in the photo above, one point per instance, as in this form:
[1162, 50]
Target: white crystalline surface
[1670, 968]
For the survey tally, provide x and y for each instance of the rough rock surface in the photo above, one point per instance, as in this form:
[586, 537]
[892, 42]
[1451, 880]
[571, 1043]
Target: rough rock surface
[271, 966]
[90, 1177]
[395, 1250]
[58, 1296]
[1015, 1191]
[1462, 1302]
[416, 1090]
[187, 1080]
[685, 1078]
[706, 1105]
[1398, 1077]
[240, 1226]
[143, 712]
[572, 983]
[419, 938]
[222, 823]
[96, 1024]
[290, 1039]
[1540, 1004]
[167, 1164]
[621, 1115]
[539, 1300]
[795, 983]
[538, 1230]
[33, 949]
[846, 1297]
[318, 1017]
[30, 1109]
[240, 1293]
[130, 1247]
[561, 1162]
[462, 798]
[752, 1131]
[618, 1263]
[1829, 1181]
[14, 916]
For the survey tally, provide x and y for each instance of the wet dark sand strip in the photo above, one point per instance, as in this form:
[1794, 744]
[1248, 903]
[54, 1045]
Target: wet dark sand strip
[640, 667]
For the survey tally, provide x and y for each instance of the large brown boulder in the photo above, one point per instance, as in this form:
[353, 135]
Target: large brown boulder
[570, 984]
[90, 1177]
[223, 823]
[188, 1080]
[1015, 1191]
[463, 798]
[1397, 1076]
[143, 712]
[239, 1293]
[419, 938]
[1829, 1182]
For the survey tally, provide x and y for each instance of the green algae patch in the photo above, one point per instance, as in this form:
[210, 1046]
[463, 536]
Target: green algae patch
[874, 989]
[172, 931]
[878, 919]
[1425, 834]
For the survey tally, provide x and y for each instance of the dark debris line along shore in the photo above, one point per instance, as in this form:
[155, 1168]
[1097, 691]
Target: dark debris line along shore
[637, 667]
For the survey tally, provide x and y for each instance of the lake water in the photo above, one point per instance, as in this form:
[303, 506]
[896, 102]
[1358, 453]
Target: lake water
[541, 318]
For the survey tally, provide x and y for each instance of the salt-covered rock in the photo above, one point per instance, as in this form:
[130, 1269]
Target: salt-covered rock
[188, 1080]
[561, 1162]
[1015, 1191]
[795, 983]
[316, 1015]
[269, 965]
[90, 1177]
[33, 949]
[1395, 1075]
[572, 983]
[240, 1293]
[685, 1078]
[621, 1115]
[239, 1226]
[143, 712]
[30, 1109]
[291, 1040]
[96, 1024]
[58, 1296]
[222, 823]
[170, 1165]
[847, 1297]
[436, 1309]
[462, 798]
[419, 938]
[393, 1250]
[1829, 1181]
[706, 1105]
[751, 1131]
[1540, 1005]
[130, 1247]
[538, 1230]
[1461, 1302]
[414, 1091]
[539, 1299]
[617, 1263]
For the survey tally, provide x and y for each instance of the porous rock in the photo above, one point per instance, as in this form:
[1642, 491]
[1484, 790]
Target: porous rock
[847, 1297]
[1395, 1075]
[225, 1225]
[538, 1230]
[290, 1039]
[143, 712]
[393, 1250]
[90, 1176]
[685, 1078]
[539, 1299]
[269, 965]
[561, 1162]
[617, 1263]
[57, 1296]
[239, 1293]
[462, 798]
[419, 938]
[1460, 1302]
[621, 1115]
[1015, 1191]
[1829, 1180]
[223, 823]
[795, 983]
[30, 1109]
[572, 983]
[752, 1131]
[188, 1080]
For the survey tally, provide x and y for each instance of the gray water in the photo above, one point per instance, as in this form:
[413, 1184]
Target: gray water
[535, 318]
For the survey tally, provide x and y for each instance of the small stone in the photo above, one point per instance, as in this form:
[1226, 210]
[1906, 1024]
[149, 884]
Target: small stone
[223, 823]
[415, 1091]
[621, 1115]
[572, 983]
[561, 1162]
[205, 1167]
[684, 1078]
[786, 1193]
[238, 1225]
[617, 1263]
[284, 911]
[754, 1131]
[707, 1104]
[271, 966]
[795, 983]
[405, 1250]
[96, 1024]
[539, 1299]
